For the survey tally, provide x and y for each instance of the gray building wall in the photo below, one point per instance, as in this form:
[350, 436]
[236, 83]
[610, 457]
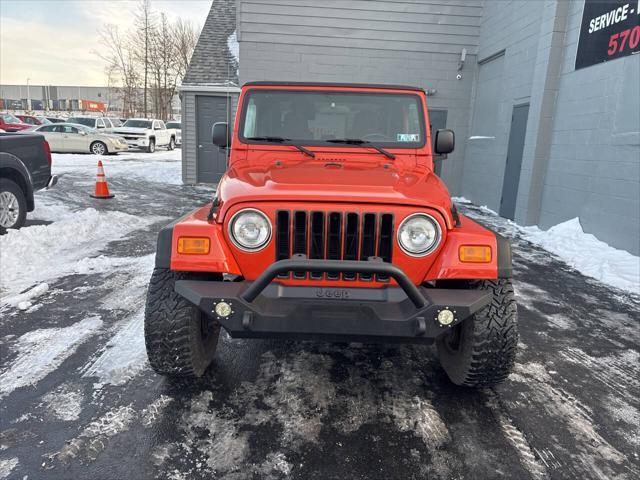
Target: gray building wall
[506, 60]
[594, 161]
[582, 148]
[373, 41]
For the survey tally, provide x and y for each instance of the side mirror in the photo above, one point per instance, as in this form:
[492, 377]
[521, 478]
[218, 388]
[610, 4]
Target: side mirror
[445, 141]
[220, 134]
[100, 126]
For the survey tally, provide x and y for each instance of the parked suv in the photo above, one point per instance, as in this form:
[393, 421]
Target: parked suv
[330, 223]
[147, 134]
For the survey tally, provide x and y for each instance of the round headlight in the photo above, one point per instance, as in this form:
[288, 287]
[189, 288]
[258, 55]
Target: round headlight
[250, 229]
[419, 234]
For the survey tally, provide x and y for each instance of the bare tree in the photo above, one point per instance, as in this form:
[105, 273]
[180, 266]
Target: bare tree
[153, 58]
[120, 66]
[145, 21]
[185, 37]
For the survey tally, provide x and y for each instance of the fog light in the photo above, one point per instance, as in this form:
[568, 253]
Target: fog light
[223, 309]
[445, 317]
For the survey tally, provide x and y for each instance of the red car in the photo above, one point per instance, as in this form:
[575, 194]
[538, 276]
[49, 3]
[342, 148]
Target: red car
[330, 223]
[11, 123]
[33, 120]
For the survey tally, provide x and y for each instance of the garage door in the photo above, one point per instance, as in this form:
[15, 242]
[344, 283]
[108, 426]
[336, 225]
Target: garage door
[211, 161]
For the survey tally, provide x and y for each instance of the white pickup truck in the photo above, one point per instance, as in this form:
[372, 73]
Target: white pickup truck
[146, 134]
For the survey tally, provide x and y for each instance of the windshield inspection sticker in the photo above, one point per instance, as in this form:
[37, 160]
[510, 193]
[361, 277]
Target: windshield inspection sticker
[408, 137]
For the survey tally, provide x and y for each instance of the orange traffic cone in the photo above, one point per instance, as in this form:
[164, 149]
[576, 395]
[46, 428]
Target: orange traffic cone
[102, 189]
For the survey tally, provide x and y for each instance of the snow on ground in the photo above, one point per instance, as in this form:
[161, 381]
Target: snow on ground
[7, 466]
[42, 351]
[159, 167]
[123, 357]
[582, 251]
[39, 253]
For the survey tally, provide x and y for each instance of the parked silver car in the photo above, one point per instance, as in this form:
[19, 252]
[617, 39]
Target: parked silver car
[70, 137]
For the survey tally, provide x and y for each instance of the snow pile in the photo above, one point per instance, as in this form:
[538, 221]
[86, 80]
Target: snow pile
[34, 255]
[42, 351]
[590, 256]
[582, 251]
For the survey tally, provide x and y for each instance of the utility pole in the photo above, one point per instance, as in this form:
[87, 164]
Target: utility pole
[28, 96]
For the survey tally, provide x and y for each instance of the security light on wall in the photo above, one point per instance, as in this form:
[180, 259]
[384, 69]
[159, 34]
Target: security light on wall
[463, 57]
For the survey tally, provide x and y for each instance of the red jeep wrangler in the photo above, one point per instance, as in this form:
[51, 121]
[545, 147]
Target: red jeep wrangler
[330, 223]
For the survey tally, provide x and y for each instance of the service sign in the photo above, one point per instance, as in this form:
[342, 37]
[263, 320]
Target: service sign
[610, 29]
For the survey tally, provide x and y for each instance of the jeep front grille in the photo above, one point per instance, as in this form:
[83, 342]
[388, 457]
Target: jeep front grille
[334, 236]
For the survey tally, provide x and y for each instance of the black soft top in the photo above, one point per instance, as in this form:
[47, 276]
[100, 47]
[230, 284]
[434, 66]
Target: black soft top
[326, 84]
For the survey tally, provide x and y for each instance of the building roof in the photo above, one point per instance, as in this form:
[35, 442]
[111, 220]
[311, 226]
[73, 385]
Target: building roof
[215, 58]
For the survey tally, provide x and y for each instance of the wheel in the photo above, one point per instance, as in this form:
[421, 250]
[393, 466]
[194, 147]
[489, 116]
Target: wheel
[480, 352]
[180, 339]
[13, 205]
[99, 148]
[152, 146]
[172, 144]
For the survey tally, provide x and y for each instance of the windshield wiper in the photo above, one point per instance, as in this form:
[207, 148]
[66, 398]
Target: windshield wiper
[367, 143]
[287, 141]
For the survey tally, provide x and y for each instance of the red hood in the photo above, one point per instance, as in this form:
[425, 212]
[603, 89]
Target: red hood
[314, 181]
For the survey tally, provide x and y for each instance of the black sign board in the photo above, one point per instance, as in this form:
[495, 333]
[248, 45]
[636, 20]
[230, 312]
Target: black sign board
[610, 29]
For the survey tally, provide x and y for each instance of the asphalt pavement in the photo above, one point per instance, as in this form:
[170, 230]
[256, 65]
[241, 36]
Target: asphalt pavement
[80, 402]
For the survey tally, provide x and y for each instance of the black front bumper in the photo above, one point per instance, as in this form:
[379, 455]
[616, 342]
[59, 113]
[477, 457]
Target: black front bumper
[266, 309]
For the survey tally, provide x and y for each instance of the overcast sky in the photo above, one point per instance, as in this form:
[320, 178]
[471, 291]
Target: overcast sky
[51, 42]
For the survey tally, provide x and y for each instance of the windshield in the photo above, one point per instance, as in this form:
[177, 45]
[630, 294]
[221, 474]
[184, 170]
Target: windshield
[173, 125]
[89, 122]
[138, 123]
[43, 120]
[8, 118]
[320, 118]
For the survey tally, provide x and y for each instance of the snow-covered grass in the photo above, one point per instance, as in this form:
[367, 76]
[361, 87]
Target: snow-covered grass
[159, 167]
[582, 251]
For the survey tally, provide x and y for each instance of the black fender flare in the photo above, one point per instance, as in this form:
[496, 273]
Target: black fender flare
[165, 241]
[503, 260]
[11, 162]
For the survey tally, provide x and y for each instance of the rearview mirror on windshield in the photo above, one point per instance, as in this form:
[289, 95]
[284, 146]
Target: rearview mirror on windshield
[220, 134]
[445, 141]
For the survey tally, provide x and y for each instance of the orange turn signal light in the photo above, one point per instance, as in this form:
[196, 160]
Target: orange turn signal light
[194, 245]
[474, 253]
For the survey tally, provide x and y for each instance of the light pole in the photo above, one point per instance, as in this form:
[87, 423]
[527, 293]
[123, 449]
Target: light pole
[28, 96]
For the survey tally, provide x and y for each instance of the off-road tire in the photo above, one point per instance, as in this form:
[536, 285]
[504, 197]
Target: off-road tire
[12, 187]
[172, 144]
[480, 352]
[173, 333]
[99, 148]
[152, 146]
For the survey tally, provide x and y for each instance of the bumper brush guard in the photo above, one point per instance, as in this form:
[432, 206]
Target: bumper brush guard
[266, 309]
